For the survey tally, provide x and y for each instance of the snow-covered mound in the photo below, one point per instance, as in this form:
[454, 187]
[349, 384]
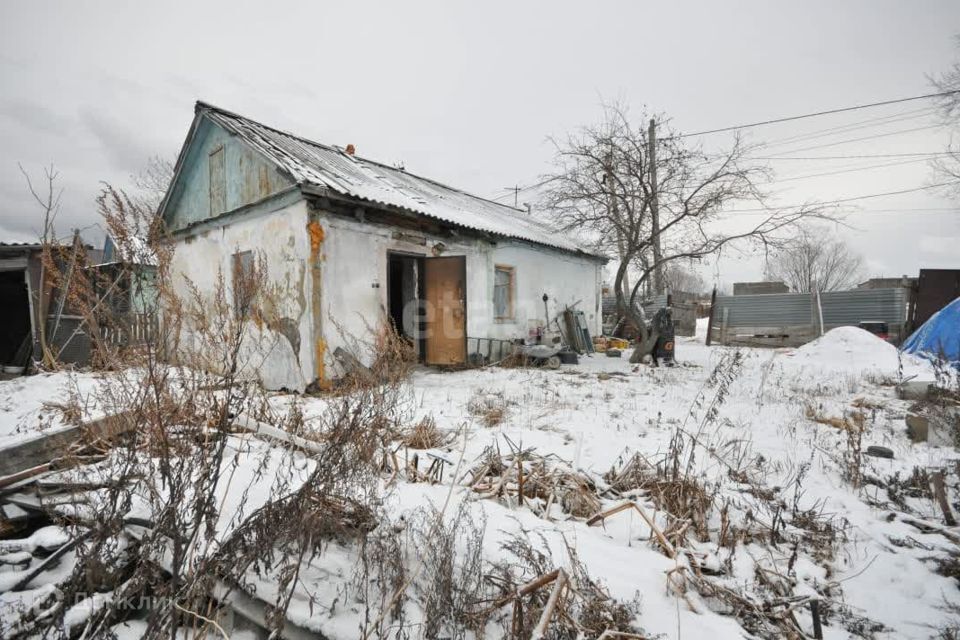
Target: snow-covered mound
[846, 344]
[853, 349]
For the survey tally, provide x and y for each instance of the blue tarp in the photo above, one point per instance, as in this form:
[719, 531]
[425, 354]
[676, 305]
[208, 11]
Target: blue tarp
[939, 337]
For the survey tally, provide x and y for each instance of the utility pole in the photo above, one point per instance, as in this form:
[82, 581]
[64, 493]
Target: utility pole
[516, 194]
[654, 207]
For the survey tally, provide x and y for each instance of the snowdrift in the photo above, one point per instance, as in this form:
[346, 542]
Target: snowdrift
[847, 348]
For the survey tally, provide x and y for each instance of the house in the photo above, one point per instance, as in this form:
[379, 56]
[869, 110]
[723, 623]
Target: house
[905, 282]
[357, 244]
[754, 288]
[128, 276]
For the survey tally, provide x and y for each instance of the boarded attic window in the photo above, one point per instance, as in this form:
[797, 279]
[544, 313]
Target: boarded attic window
[503, 293]
[218, 182]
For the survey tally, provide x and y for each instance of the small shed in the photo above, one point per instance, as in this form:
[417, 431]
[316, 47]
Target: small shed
[28, 307]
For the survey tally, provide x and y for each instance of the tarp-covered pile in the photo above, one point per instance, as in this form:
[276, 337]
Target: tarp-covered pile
[939, 337]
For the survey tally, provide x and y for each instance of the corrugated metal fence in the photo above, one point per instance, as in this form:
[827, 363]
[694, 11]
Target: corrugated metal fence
[792, 319]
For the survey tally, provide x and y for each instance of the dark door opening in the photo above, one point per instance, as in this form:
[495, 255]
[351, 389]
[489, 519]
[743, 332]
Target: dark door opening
[404, 296]
[15, 331]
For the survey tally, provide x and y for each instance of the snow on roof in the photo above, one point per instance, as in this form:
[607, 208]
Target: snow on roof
[133, 250]
[329, 167]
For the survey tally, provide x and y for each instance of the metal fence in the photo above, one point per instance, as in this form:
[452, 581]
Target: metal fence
[792, 319]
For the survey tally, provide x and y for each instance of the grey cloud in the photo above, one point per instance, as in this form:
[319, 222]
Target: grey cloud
[35, 116]
[122, 144]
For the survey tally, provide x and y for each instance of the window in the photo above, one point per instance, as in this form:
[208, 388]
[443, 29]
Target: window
[503, 293]
[218, 182]
[244, 283]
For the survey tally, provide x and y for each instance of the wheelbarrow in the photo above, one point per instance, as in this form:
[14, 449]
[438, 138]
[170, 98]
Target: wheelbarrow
[541, 355]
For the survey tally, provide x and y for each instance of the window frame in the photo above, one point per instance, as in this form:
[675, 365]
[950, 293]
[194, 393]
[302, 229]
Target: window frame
[511, 297]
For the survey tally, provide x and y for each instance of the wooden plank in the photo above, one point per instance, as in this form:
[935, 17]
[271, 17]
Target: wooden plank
[43, 449]
[544, 623]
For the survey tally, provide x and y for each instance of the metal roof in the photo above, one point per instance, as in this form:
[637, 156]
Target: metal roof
[325, 166]
[19, 245]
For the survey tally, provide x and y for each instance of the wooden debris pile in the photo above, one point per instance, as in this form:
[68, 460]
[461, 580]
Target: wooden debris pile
[523, 477]
[688, 502]
[549, 602]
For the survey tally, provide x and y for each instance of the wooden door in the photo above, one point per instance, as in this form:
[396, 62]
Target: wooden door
[445, 294]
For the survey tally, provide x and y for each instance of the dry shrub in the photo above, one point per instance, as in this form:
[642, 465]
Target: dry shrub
[579, 497]
[178, 457]
[490, 409]
[681, 495]
[586, 610]
[425, 435]
[396, 355]
[542, 481]
[447, 584]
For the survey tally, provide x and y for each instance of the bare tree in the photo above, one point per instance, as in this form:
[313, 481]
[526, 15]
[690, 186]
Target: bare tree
[49, 201]
[151, 184]
[677, 277]
[604, 185]
[947, 167]
[816, 261]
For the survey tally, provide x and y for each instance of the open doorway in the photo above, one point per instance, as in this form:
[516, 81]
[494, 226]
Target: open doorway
[15, 330]
[404, 296]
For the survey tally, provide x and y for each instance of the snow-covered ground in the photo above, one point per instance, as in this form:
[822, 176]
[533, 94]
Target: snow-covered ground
[593, 416]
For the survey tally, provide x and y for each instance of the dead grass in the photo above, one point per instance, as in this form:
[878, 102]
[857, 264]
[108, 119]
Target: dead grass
[425, 435]
[854, 422]
[490, 409]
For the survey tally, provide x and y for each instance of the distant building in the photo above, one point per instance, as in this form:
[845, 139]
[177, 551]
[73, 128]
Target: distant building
[752, 288]
[935, 289]
[904, 282]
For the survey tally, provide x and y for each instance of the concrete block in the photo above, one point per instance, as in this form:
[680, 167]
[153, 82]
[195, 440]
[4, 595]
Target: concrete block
[914, 390]
[918, 427]
[935, 427]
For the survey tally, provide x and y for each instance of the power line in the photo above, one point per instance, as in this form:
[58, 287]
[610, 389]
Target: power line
[873, 137]
[853, 126]
[861, 156]
[844, 200]
[850, 170]
[819, 113]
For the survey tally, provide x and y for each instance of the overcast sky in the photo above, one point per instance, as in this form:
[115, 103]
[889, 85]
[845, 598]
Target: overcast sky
[468, 93]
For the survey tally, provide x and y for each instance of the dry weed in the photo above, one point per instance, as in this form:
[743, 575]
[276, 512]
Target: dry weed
[425, 435]
[490, 408]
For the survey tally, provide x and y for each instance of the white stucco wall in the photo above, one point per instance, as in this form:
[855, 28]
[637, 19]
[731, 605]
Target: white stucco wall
[353, 267]
[355, 280]
[281, 238]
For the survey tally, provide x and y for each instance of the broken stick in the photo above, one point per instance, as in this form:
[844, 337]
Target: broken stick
[541, 629]
[668, 548]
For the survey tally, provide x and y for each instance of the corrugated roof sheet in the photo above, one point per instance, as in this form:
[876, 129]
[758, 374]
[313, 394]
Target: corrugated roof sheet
[19, 245]
[325, 166]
